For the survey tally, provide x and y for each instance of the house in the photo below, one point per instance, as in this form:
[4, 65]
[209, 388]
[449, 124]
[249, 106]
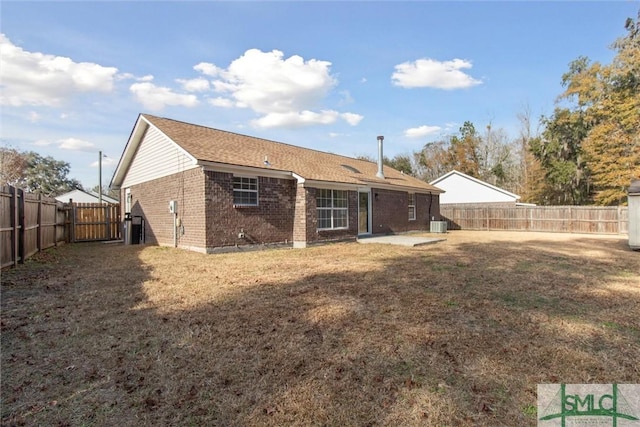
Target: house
[461, 188]
[81, 196]
[206, 189]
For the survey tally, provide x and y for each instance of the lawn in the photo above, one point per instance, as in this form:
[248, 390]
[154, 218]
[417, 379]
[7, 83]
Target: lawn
[455, 333]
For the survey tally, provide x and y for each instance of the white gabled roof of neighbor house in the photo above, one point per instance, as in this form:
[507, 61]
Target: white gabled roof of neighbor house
[462, 188]
[156, 143]
[81, 196]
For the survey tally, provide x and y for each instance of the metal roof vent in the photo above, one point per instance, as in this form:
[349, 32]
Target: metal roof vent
[350, 168]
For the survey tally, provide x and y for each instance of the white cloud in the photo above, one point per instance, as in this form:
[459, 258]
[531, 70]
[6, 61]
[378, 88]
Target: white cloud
[106, 161]
[33, 78]
[157, 97]
[295, 119]
[207, 69]
[41, 143]
[268, 83]
[352, 118]
[436, 74]
[194, 85]
[125, 76]
[284, 91]
[76, 144]
[221, 102]
[421, 131]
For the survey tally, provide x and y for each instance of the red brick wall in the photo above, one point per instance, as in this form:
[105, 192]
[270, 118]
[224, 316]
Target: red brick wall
[209, 219]
[151, 201]
[391, 211]
[269, 222]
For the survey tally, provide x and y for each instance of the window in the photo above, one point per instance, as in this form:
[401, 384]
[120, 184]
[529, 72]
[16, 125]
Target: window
[412, 207]
[333, 209]
[245, 191]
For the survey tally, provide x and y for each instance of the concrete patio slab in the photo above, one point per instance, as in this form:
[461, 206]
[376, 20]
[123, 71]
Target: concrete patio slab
[402, 240]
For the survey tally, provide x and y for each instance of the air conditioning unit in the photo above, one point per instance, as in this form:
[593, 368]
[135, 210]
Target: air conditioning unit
[438, 226]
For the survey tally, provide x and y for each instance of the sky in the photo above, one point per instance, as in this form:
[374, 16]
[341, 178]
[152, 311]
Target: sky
[331, 76]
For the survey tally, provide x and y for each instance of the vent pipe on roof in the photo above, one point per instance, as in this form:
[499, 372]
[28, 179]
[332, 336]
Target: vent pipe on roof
[380, 173]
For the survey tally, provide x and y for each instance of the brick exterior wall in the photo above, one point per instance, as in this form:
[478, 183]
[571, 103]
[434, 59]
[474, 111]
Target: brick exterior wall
[391, 211]
[151, 201]
[269, 222]
[286, 212]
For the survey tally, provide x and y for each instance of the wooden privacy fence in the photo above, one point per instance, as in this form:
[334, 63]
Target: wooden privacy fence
[562, 219]
[31, 223]
[94, 221]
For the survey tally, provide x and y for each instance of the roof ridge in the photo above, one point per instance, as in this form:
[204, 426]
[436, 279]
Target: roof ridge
[258, 137]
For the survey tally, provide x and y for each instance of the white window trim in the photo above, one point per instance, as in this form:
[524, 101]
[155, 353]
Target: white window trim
[412, 207]
[256, 191]
[334, 209]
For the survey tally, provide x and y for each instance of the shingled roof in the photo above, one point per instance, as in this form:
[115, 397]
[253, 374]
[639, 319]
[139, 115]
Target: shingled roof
[217, 146]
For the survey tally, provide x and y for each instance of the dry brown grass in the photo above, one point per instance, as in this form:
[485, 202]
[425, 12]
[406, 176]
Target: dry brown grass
[457, 333]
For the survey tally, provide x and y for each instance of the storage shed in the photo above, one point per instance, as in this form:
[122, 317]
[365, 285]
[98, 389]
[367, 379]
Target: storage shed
[634, 215]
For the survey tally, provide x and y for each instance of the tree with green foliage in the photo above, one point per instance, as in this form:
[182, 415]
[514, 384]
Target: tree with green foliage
[559, 150]
[591, 151]
[490, 157]
[34, 173]
[400, 162]
[463, 153]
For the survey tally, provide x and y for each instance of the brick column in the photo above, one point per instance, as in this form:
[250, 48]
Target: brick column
[300, 218]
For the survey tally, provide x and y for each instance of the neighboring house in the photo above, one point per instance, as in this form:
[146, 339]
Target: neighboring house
[461, 188]
[80, 196]
[231, 190]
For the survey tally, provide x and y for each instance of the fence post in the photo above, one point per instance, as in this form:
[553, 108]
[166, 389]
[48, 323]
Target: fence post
[39, 229]
[107, 221]
[486, 210]
[72, 222]
[570, 220]
[20, 225]
[619, 223]
[13, 191]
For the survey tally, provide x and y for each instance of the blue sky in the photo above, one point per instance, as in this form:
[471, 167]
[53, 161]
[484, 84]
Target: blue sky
[324, 75]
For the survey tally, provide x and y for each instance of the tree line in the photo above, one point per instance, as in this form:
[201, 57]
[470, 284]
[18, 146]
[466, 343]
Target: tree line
[586, 152]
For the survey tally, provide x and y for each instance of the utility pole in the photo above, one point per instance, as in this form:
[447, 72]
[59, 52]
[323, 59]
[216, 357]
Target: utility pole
[100, 177]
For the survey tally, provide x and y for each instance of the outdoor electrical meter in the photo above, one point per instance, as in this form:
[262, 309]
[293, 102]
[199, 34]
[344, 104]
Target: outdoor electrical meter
[173, 206]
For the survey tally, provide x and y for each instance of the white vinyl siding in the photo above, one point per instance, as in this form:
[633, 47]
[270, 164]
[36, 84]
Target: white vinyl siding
[157, 156]
[333, 209]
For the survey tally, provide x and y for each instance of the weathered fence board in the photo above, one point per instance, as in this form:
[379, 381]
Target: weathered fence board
[561, 219]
